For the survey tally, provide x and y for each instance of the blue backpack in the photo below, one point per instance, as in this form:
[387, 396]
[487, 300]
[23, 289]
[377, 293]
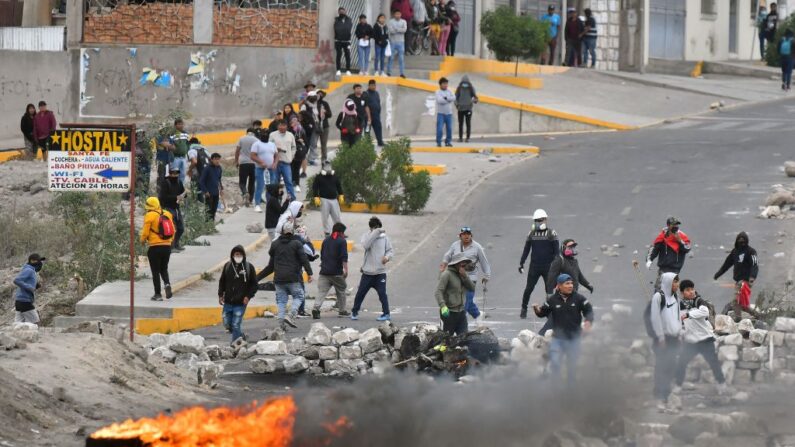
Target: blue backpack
[786, 47]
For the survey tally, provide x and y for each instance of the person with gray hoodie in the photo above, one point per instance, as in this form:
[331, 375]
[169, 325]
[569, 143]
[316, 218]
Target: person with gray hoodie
[667, 327]
[378, 252]
[444, 113]
[465, 99]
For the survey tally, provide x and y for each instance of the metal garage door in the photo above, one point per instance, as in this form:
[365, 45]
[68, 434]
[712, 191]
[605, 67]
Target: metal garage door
[667, 29]
[466, 28]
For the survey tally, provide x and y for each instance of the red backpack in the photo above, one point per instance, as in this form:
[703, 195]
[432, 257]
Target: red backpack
[165, 227]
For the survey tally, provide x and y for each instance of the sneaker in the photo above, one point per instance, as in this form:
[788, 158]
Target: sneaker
[448, 144]
[343, 313]
[289, 321]
[302, 314]
[303, 175]
[283, 326]
[178, 249]
[297, 188]
[339, 73]
[348, 73]
[311, 163]
[354, 316]
[157, 297]
[315, 314]
[258, 209]
[384, 317]
[523, 313]
[168, 291]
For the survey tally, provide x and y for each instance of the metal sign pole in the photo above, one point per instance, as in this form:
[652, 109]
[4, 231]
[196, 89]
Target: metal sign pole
[133, 169]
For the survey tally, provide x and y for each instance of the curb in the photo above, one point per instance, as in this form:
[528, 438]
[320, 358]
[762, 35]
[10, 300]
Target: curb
[379, 208]
[478, 150]
[527, 83]
[430, 169]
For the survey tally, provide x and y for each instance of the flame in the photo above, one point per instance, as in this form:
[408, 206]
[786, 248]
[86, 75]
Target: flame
[267, 425]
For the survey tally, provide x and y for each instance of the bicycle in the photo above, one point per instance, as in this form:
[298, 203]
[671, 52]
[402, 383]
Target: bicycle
[420, 40]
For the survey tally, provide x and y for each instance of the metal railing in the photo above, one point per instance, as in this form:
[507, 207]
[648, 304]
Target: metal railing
[43, 38]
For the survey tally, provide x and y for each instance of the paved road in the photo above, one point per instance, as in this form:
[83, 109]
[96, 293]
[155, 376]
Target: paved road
[713, 172]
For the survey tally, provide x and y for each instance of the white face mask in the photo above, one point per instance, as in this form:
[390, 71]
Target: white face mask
[542, 226]
[238, 259]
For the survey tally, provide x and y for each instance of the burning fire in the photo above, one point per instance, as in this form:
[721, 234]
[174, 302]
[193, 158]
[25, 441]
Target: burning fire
[267, 425]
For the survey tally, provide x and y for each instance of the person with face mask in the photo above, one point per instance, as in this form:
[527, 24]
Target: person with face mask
[27, 282]
[567, 263]
[172, 191]
[746, 268]
[670, 248]
[542, 246]
[275, 207]
[465, 99]
[327, 192]
[666, 325]
[236, 288]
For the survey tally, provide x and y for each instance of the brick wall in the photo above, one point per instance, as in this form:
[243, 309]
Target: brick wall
[260, 27]
[149, 23]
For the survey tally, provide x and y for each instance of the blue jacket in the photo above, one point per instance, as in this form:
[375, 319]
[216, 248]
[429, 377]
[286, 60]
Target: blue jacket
[210, 180]
[26, 284]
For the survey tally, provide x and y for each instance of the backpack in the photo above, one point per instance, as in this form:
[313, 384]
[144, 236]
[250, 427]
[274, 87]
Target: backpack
[165, 227]
[202, 159]
[647, 314]
[350, 125]
[786, 47]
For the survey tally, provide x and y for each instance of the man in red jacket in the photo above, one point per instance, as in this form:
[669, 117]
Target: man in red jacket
[43, 126]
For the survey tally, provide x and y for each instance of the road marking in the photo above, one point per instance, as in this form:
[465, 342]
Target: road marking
[618, 231]
[637, 189]
[598, 269]
[762, 126]
[626, 211]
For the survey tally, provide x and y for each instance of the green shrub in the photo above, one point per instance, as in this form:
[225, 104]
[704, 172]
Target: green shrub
[513, 37]
[772, 57]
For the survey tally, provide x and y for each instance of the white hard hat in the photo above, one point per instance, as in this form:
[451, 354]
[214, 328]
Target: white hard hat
[539, 214]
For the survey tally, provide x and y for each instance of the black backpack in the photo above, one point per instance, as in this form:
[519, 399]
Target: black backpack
[202, 159]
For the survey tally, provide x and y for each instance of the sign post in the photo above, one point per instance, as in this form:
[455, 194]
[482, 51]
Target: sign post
[97, 158]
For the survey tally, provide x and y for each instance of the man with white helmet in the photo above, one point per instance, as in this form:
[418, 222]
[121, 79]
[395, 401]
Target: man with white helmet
[542, 246]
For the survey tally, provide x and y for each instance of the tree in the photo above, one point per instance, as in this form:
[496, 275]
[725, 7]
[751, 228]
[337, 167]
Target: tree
[513, 37]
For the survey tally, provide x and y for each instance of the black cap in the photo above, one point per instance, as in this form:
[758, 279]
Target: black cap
[443, 80]
[35, 257]
[551, 8]
[673, 221]
[310, 84]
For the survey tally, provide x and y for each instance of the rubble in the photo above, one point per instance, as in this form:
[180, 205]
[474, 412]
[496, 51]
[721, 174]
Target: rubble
[267, 347]
[784, 324]
[318, 334]
[26, 332]
[185, 342]
[345, 336]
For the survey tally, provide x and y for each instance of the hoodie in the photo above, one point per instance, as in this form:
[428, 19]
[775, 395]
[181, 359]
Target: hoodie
[669, 252]
[273, 209]
[237, 280]
[565, 313]
[327, 185]
[287, 257]
[376, 247]
[570, 266]
[291, 215]
[697, 325]
[444, 102]
[743, 259]
[452, 288]
[26, 284]
[474, 252]
[465, 95]
[665, 318]
[150, 230]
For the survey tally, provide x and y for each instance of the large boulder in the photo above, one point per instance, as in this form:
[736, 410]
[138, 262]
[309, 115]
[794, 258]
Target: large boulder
[758, 336]
[388, 331]
[350, 352]
[774, 337]
[185, 342]
[319, 334]
[724, 325]
[296, 365]
[162, 354]
[156, 340]
[208, 373]
[342, 366]
[745, 326]
[268, 347]
[733, 339]
[370, 340]
[755, 354]
[296, 346]
[187, 360]
[266, 365]
[214, 352]
[780, 197]
[728, 353]
[26, 332]
[345, 336]
[327, 352]
[784, 324]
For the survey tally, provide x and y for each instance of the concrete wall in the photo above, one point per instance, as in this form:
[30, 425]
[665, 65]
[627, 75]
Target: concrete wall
[707, 35]
[29, 77]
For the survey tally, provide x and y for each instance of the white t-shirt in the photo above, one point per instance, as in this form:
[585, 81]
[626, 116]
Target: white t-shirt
[265, 151]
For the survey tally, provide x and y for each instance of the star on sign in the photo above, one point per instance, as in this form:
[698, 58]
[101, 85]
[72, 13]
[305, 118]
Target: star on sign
[122, 140]
[56, 139]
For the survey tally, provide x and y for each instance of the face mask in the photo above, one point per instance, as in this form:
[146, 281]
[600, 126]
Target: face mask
[312, 99]
[238, 259]
[570, 252]
[37, 266]
[674, 230]
[542, 226]
[299, 214]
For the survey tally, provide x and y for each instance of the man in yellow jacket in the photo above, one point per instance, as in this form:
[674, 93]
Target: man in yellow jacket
[157, 233]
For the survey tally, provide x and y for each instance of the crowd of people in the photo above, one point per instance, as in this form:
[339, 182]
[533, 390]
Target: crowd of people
[580, 36]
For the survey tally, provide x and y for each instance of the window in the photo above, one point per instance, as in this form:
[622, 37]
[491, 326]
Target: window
[754, 8]
[708, 7]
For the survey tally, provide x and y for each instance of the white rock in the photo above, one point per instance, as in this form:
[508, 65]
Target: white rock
[770, 212]
[758, 336]
[327, 352]
[185, 342]
[516, 343]
[342, 367]
[208, 373]
[789, 340]
[378, 356]
[370, 340]
[622, 309]
[296, 346]
[266, 365]
[156, 340]
[268, 347]
[776, 337]
[745, 326]
[733, 339]
[741, 396]
[163, 354]
[25, 327]
[345, 336]
[724, 325]
[296, 365]
[755, 354]
[526, 336]
[729, 353]
[728, 369]
[784, 324]
[319, 334]
[350, 352]
[187, 360]
[214, 352]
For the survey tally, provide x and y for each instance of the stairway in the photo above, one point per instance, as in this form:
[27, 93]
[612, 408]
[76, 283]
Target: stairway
[420, 67]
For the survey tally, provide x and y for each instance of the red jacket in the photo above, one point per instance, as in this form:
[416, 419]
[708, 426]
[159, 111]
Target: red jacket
[406, 13]
[44, 125]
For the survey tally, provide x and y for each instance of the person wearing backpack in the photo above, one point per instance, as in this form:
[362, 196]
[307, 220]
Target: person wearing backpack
[695, 313]
[212, 186]
[665, 327]
[785, 51]
[157, 232]
[172, 191]
[198, 158]
[348, 124]
[236, 287]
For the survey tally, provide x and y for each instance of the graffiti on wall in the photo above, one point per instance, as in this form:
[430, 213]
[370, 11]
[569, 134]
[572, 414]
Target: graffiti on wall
[32, 89]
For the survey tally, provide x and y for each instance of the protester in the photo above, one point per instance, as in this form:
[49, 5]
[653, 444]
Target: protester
[397, 31]
[300, 152]
[363, 33]
[666, 327]
[771, 24]
[670, 248]
[26, 127]
[589, 36]
[359, 98]
[380, 40]
[178, 144]
[342, 41]
[287, 258]
[324, 110]
[554, 29]
[454, 284]
[465, 100]
[157, 232]
[698, 335]
[309, 87]
[198, 158]
[27, 282]
[745, 265]
[477, 260]
[286, 147]
[236, 287]
[210, 182]
[761, 24]
[566, 262]
[327, 193]
[311, 121]
[44, 126]
[543, 242]
[348, 123]
[278, 116]
[444, 113]
[171, 193]
[333, 270]
[378, 252]
[373, 99]
[246, 169]
[446, 26]
[565, 309]
[574, 29]
[452, 13]
[274, 208]
[785, 52]
[164, 154]
[263, 157]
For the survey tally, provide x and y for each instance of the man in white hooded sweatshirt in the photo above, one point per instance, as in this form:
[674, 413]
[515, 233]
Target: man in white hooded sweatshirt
[667, 327]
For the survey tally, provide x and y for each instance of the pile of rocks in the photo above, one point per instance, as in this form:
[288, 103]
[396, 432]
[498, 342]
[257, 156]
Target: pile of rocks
[18, 336]
[779, 203]
[188, 351]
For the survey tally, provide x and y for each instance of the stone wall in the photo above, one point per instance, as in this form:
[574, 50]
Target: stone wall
[608, 21]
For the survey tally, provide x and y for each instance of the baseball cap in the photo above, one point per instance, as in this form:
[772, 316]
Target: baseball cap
[465, 230]
[563, 277]
[673, 221]
[35, 257]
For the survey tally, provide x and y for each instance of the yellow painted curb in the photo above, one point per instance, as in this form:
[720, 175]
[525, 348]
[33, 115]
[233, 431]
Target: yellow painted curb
[227, 137]
[528, 83]
[697, 69]
[431, 169]
[14, 154]
[188, 318]
[317, 243]
[477, 150]
[452, 65]
[381, 208]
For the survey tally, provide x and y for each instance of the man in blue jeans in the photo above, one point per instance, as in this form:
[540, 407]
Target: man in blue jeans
[377, 252]
[397, 28]
[589, 39]
[237, 286]
[474, 252]
[566, 308]
[286, 147]
[444, 113]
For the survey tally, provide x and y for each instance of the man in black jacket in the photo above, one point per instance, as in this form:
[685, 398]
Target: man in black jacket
[670, 248]
[567, 263]
[333, 270]
[373, 100]
[324, 109]
[327, 191]
[342, 40]
[172, 191]
[543, 242]
[746, 268]
[287, 258]
[566, 308]
[237, 286]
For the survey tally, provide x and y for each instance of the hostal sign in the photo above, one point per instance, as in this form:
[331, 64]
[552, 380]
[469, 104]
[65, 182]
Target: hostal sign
[90, 160]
